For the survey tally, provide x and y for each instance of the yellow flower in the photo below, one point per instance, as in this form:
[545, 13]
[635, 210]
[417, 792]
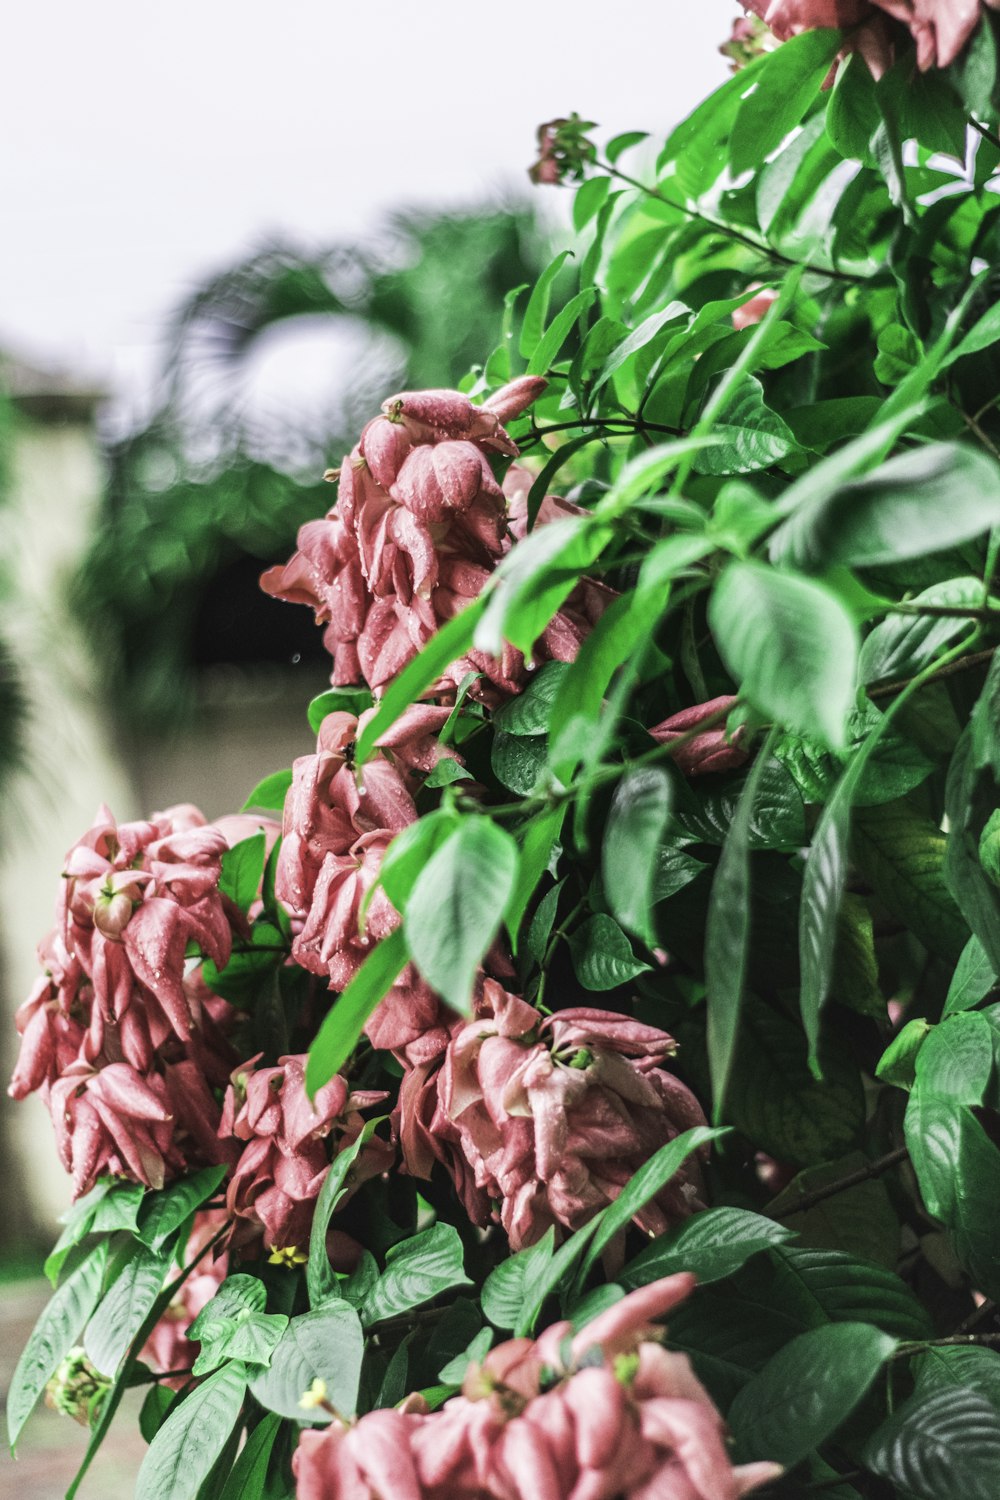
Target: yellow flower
[288, 1256]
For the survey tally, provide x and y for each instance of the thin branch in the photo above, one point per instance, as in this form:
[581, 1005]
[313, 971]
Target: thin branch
[964, 664]
[866, 1173]
[761, 247]
[986, 133]
[983, 614]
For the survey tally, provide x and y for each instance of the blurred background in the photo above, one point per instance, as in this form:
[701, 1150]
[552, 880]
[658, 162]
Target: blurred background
[229, 232]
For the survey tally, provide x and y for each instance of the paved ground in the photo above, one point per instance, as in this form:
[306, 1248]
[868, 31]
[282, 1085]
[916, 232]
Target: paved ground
[52, 1446]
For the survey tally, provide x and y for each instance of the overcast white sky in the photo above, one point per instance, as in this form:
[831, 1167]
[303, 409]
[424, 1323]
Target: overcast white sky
[145, 146]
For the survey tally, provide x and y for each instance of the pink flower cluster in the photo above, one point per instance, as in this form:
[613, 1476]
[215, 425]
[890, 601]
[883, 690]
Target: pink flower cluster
[123, 1044]
[940, 28]
[284, 1158]
[543, 1120]
[619, 1418]
[420, 525]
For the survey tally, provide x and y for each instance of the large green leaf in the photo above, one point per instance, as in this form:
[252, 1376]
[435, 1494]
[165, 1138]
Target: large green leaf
[903, 855]
[165, 1211]
[972, 980]
[320, 1279]
[457, 905]
[903, 644]
[712, 1244]
[190, 1441]
[326, 1344]
[602, 954]
[636, 824]
[727, 935]
[513, 1284]
[947, 1443]
[122, 1311]
[416, 1270]
[956, 1059]
[858, 1220]
[748, 434]
[533, 580]
[248, 1475]
[926, 500]
[784, 90]
[790, 644]
[59, 1327]
[807, 1390]
[344, 1023]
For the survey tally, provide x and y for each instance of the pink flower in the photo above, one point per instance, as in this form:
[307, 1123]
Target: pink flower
[113, 1121]
[543, 1120]
[940, 28]
[325, 573]
[713, 750]
[639, 1428]
[753, 311]
[285, 1158]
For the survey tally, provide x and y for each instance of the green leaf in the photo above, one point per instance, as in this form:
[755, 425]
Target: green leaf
[119, 1209]
[727, 934]
[416, 1271]
[784, 89]
[166, 1210]
[533, 580]
[512, 1285]
[410, 850]
[269, 795]
[712, 1244]
[351, 701]
[637, 339]
[898, 1063]
[982, 335]
[902, 853]
[748, 434]
[636, 823]
[777, 817]
[956, 1060]
[537, 309]
[457, 904]
[320, 1279]
[59, 1327]
[650, 1179]
[344, 1022]
[559, 331]
[898, 353]
[958, 1170]
[852, 114]
[970, 1367]
[242, 870]
[790, 644]
[123, 1309]
[602, 954]
[972, 980]
[947, 1443]
[326, 1344]
[776, 1101]
[446, 773]
[234, 1325]
[196, 1431]
[807, 1390]
[249, 1473]
[858, 1220]
[529, 713]
[517, 761]
[447, 644]
[925, 500]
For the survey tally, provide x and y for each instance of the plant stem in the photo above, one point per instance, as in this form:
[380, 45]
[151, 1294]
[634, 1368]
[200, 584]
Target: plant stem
[986, 133]
[890, 689]
[853, 1179]
[761, 247]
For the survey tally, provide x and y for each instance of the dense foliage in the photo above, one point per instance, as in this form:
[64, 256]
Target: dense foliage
[658, 785]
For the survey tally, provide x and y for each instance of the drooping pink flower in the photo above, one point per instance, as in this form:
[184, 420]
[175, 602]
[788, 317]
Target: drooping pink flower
[325, 574]
[114, 1121]
[754, 310]
[543, 1120]
[599, 1427]
[713, 750]
[940, 28]
[286, 1152]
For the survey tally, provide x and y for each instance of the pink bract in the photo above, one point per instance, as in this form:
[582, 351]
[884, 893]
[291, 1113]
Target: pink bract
[638, 1428]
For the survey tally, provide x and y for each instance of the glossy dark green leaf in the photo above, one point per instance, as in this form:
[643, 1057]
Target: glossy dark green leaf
[807, 1390]
[247, 1479]
[351, 701]
[712, 1244]
[972, 980]
[748, 435]
[602, 954]
[512, 1284]
[537, 310]
[242, 869]
[956, 1060]
[166, 1210]
[946, 1443]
